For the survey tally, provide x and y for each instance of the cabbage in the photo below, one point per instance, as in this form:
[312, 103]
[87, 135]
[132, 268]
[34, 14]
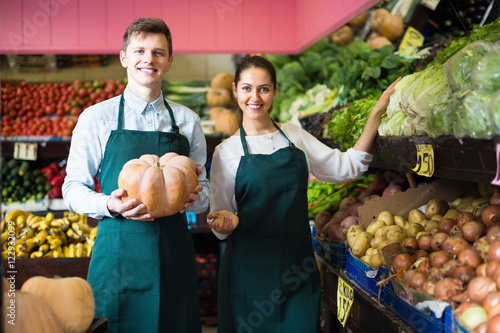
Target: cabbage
[486, 74]
[438, 120]
[459, 67]
[494, 112]
[393, 126]
[470, 114]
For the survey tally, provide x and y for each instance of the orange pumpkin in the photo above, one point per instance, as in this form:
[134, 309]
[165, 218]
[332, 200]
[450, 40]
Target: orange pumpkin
[377, 42]
[27, 313]
[359, 21]
[218, 97]
[342, 36]
[377, 18]
[163, 184]
[392, 27]
[227, 123]
[71, 298]
[223, 80]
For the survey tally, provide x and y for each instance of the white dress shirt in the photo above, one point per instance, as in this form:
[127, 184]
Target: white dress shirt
[325, 163]
[90, 137]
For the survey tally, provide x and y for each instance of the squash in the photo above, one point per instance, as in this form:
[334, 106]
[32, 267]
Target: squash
[392, 27]
[342, 36]
[359, 21]
[227, 123]
[163, 184]
[223, 80]
[216, 111]
[377, 42]
[377, 18]
[218, 97]
[71, 298]
[29, 313]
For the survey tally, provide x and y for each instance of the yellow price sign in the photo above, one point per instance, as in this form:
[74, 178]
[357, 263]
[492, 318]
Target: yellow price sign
[345, 297]
[425, 160]
[25, 151]
[411, 38]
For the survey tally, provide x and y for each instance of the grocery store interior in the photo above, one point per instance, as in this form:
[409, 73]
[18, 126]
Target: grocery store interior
[409, 245]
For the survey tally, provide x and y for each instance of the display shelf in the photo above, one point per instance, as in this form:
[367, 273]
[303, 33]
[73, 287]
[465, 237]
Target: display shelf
[461, 159]
[367, 313]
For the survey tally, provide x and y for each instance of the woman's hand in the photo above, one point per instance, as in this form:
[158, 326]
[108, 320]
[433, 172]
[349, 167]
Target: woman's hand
[383, 101]
[130, 209]
[223, 221]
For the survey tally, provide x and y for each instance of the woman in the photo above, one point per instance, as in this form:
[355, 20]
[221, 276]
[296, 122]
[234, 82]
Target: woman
[268, 279]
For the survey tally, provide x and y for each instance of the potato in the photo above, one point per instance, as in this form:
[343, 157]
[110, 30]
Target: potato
[431, 225]
[422, 233]
[321, 219]
[376, 241]
[436, 206]
[361, 244]
[437, 217]
[369, 252]
[464, 203]
[401, 221]
[365, 259]
[387, 217]
[451, 213]
[375, 260]
[374, 226]
[395, 233]
[352, 233]
[415, 215]
[414, 229]
[455, 203]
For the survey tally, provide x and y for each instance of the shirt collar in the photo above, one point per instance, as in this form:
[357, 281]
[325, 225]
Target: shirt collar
[136, 103]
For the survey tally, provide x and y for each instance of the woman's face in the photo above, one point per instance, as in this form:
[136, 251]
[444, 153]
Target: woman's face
[255, 93]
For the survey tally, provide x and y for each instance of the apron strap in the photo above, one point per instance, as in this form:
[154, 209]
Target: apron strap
[175, 128]
[244, 141]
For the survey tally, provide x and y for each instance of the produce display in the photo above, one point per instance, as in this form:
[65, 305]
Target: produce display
[51, 109]
[20, 182]
[51, 305]
[26, 235]
[189, 93]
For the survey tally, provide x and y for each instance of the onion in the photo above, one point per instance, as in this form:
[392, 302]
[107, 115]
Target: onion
[417, 280]
[472, 230]
[424, 243]
[391, 190]
[458, 244]
[481, 269]
[435, 274]
[464, 274]
[482, 328]
[450, 266]
[493, 324]
[494, 311]
[479, 287]
[482, 246]
[410, 244]
[465, 217]
[490, 300]
[352, 210]
[494, 251]
[439, 258]
[346, 203]
[462, 307]
[470, 256]
[474, 316]
[420, 254]
[423, 265]
[438, 240]
[349, 221]
[447, 288]
[495, 198]
[429, 287]
[407, 277]
[493, 233]
[493, 269]
[491, 215]
[446, 225]
[402, 262]
[335, 232]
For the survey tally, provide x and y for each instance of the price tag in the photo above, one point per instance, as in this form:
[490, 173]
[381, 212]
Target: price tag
[345, 297]
[496, 181]
[411, 38]
[25, 151]
[425, 160]
[431, 4]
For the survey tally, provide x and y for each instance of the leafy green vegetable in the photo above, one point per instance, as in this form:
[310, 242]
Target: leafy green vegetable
[486, 74]
[189, 93]
[470, 114]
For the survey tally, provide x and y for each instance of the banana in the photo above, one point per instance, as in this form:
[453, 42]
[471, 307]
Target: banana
[49, 217]
[79, 250]
[57, 252]
[55, 243]
[36, 254]
[77, 228]
[72, 234]
[73, 217]
[65, 250]
[41, 237]
[5, 236]
[72, 250]
[56, 223]
[44, 249]
[23, 255]
[66, 224]
[48, 255]
[88, 248]
[86, 229]
[21, 220]
[13, 214]
[93, 233]
[62, 236]
[83, 220]
[27, 246]
[26, 232]
[35, 220]
[44, 225]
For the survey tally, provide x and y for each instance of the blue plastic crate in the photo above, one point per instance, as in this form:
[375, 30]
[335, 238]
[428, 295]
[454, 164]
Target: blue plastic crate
[419, 320]
[357, 270]
[334, 252]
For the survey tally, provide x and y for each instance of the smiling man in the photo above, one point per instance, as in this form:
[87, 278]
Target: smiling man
[142, 269]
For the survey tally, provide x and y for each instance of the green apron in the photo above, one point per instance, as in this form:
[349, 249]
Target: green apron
[143, 274]
[268, 279]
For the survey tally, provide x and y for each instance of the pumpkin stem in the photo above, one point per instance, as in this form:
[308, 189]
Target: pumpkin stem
[158, 164]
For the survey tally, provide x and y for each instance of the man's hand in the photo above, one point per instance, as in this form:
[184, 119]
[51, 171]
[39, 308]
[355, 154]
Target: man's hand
[193, 196]
[130, 209]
